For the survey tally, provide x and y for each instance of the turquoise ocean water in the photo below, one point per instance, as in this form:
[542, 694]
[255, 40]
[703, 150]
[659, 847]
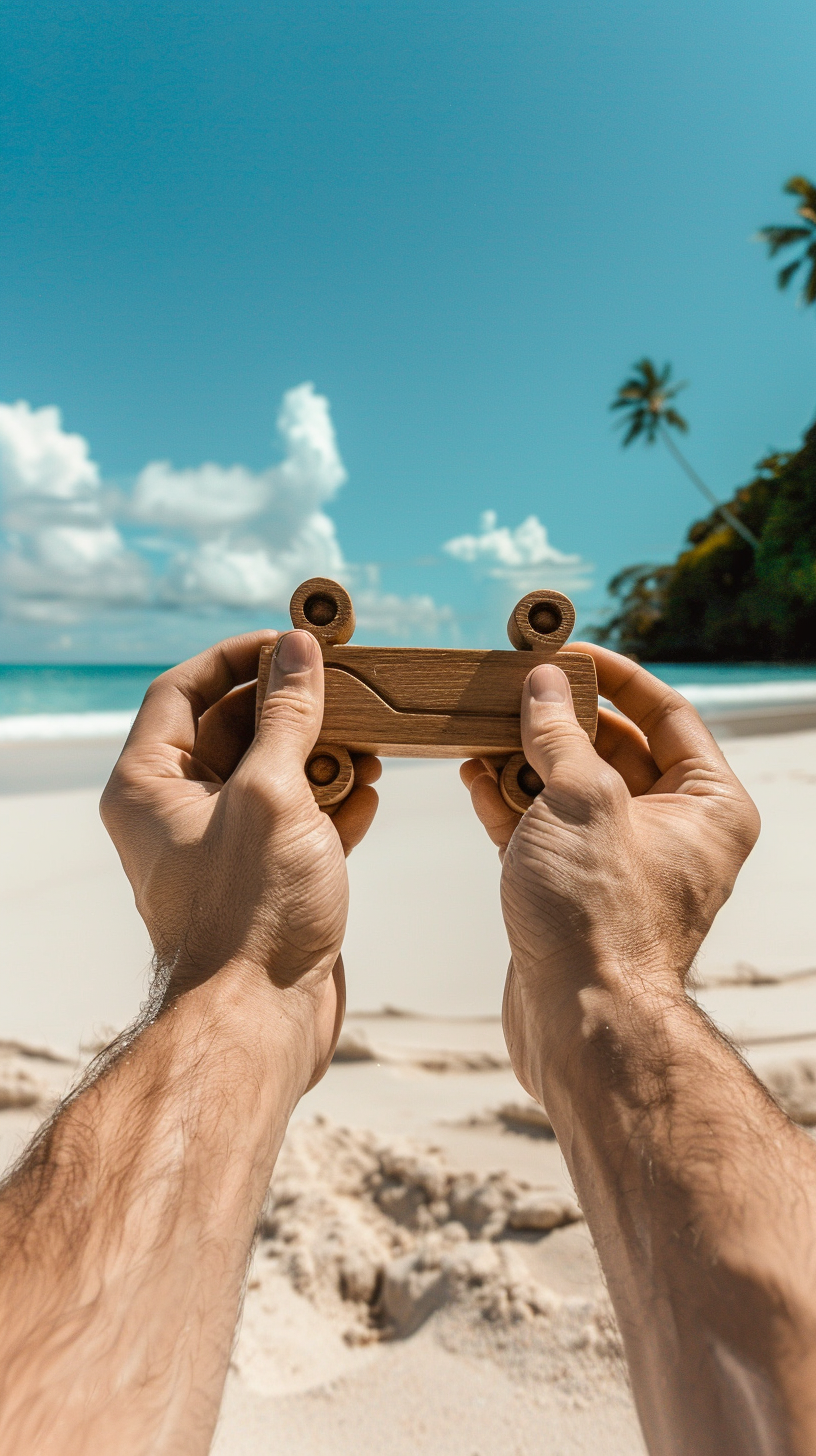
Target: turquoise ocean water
[35, 690]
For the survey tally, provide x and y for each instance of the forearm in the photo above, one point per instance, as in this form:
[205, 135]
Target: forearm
[124, 1235]
[701, 1197]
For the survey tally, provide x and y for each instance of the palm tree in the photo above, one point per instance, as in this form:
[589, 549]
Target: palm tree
[646, 396]
[778, 238]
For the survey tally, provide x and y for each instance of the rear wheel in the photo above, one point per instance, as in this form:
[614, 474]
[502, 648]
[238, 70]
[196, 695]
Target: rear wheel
[519, 783]
[541, 621]
[324, 608]
[330, 772]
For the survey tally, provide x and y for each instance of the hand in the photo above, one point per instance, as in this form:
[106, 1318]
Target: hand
[613, 877]
[234, 868]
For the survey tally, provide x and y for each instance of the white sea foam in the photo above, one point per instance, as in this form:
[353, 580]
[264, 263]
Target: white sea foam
[709, 698]
[45, 727]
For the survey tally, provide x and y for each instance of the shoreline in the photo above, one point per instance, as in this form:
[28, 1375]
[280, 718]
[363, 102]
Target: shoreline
[45, 753]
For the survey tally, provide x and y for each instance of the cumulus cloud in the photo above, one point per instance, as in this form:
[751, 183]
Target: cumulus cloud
[199, 501]
[62, 550]
[40, 462]
[211, 537]
[399, 616]
[523, 557]
[243, 539]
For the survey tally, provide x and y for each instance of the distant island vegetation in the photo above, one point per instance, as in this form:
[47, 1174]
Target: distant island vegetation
[744, 589]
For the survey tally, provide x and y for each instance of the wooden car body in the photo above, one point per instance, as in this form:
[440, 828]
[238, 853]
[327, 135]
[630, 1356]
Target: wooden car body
[431, 702]
[409, 702]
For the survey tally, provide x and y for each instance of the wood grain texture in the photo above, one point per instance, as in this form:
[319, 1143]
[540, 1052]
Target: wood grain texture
[324, 608]
[542, 621]
[405, 702]
[330, 772]
[519, 783]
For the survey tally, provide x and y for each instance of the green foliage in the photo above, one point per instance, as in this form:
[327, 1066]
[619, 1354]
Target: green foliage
[778, 238]
[645, 397]
[721, 601]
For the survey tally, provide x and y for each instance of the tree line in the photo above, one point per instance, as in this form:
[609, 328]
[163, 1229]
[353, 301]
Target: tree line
[745, 586]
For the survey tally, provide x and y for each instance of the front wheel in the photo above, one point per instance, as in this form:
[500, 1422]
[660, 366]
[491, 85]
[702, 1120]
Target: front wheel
[330, 772]
[519, 783]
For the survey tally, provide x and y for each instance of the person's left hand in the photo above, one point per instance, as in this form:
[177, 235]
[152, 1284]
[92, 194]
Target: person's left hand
[235, 870]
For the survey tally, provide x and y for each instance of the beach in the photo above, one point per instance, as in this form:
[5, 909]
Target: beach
[423, 1280]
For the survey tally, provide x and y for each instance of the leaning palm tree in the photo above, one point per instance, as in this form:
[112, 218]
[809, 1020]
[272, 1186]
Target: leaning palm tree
[646, 396]
[778, 238]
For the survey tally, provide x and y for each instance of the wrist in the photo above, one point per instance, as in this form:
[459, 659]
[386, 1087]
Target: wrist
[590, 1020]
[277, 1031]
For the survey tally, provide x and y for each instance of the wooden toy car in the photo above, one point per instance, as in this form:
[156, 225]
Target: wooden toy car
[431, 702]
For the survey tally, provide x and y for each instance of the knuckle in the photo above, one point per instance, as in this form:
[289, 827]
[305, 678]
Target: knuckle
[669, 703]
[594, 789]
[557, 739]
[751, 824]
[158, 687]
[107, 805]
[288, 707]
[609, 789]
[744, 827]
[125, 780]
[110, 802]
[274, 791]
[122, 792]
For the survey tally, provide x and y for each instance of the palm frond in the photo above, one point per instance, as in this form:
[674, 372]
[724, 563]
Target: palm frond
[785, 274]
[671, 417]
[636, 427]
[655, 376]
[777, 238]
[635, 420]
[644, 395]
[628, 396]
[804, 188]
[809, 291]
[675, 389]
[773, 462]
[640, 422]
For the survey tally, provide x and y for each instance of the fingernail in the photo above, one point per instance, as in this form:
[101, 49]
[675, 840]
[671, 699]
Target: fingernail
[548, 684]
[294, 652]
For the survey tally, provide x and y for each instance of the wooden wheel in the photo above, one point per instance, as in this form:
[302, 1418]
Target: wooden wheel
[519, 783]
[324, 608]
[330, 772]
[541, 621]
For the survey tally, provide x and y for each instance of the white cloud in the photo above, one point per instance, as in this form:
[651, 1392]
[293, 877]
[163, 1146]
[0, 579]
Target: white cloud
[39, 460]
[523, 557]
[245, 573]
[198, 501]
[399, 616]
[212, 499]
[62, 551]
[210, 537]
[247, 539]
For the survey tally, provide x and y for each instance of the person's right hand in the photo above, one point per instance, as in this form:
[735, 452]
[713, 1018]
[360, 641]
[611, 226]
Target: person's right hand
[613, 876]
[235, 870]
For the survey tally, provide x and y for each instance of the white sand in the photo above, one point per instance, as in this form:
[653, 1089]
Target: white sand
[519, 1356]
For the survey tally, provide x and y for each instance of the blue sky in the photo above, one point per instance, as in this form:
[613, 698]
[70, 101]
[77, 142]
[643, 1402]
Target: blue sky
[460, 222]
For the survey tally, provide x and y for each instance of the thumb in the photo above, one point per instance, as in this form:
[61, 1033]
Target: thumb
[552, 737]
[292, 710]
